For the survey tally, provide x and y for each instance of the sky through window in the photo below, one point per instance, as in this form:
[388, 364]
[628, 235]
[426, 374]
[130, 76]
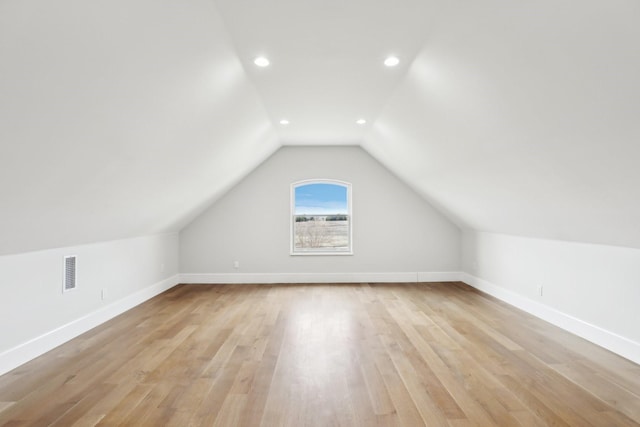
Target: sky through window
[321, 199]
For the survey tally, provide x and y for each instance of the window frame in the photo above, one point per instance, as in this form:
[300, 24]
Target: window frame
[292, 215]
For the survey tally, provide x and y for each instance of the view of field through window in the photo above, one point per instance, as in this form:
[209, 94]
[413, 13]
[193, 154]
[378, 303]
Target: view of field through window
[321, 218]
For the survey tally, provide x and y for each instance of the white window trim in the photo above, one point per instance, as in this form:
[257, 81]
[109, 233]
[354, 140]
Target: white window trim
[292, 209]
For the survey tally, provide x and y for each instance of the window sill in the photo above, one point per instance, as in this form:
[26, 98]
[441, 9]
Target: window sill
[312, 253]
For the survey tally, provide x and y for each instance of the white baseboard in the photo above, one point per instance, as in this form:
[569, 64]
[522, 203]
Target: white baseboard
[439, 276]
[16, 356]
[402, 277]
[613, 342]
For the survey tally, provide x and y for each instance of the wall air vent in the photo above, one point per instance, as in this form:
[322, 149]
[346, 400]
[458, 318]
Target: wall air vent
[69, 273]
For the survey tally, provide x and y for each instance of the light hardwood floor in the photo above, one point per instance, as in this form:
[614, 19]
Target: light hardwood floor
[324, 355]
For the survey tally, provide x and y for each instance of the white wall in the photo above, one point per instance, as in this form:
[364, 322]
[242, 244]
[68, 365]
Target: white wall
[37, 316]
[250, 224]
[591, 290]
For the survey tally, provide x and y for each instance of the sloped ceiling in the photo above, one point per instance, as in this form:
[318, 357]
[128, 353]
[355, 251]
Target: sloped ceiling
[524, 119]
[120, 118]
[124, 118]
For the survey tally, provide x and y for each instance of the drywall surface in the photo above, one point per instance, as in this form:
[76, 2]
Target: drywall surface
[522, 119]
[119, 119]
[594, 284]
[33, 304]
[394, 230]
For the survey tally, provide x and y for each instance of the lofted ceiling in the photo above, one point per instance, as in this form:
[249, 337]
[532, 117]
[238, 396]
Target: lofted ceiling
[124, 118]
[524, 118]
[326, 58]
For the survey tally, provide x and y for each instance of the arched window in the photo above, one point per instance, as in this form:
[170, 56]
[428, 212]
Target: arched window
[321, 219]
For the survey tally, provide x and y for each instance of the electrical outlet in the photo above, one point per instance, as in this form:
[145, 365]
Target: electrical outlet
[236, 264]
[104, 293]
[540, 290]
[162, 268]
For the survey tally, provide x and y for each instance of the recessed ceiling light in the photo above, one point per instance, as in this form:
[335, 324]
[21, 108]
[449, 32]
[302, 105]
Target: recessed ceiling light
[391, 61]
[284, 122]
[261, 61]
[361, 121]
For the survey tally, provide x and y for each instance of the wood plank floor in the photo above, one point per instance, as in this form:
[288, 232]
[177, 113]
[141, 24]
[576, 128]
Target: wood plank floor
[438, 354]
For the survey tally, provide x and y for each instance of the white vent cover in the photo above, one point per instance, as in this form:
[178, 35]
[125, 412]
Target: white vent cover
[69, 273]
